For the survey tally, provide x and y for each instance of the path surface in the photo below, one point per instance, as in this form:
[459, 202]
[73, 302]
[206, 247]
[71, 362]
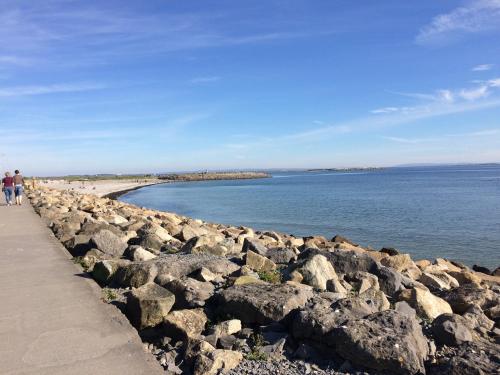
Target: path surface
[52, 320]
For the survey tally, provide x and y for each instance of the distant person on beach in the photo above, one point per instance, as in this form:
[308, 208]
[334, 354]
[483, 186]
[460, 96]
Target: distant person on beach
[8, 187]
[18, 187]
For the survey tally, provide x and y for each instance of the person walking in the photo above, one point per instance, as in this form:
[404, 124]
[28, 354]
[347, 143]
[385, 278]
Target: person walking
[8, 188]
[18, 187]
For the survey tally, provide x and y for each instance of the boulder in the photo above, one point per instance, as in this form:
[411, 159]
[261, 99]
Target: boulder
[189, 292]
[451, 329]
[258, 262]
[148, 305]
[103, 271]
[317, 271]
[262, 303]
[343, 261]
[477, 319]
[157, 230]
[386, 341]
[280, 255]
[362, 281]
[136, 274]
[462, 298]
[390, 281]
[185, 324]
[217, 361]
[227, 327]
[472, 358]
[317, 320]
[179, 265]
[425, 303]
[400, 262]
[148, 241]
[139, 254]
[251, 244]
[248, 279]
[389, 251]
[108, 243]
[438, 280]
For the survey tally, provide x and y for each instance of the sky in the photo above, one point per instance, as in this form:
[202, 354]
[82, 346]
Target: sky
[155, 86]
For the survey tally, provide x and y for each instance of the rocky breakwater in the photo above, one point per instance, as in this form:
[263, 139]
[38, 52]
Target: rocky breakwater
[210, 176]
[209, 298]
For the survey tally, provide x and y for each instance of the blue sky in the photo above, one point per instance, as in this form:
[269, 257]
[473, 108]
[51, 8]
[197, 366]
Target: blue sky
[162, 85]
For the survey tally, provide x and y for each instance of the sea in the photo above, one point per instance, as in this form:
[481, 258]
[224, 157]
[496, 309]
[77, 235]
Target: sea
[449, 212]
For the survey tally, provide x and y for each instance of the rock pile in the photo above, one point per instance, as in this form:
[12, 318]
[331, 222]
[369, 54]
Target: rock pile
[209, 298]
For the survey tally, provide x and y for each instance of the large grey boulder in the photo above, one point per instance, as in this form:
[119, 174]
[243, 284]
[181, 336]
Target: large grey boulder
[254, 245]
[451, 329]
[390, 281]
[148, 305]
[108, 243]
[344, 261]
[317, 320]
[386, 341]
[281, 255]
[136, 274]
[189, 292]
[263, 303]
[179, 265]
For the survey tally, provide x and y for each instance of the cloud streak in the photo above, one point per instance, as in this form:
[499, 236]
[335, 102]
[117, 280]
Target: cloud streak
[482, 67]
[477, 17]
[49, 89]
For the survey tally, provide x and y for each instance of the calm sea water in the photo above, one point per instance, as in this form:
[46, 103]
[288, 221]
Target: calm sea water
[429, 212]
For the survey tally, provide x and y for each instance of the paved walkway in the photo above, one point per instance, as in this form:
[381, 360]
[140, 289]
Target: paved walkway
[51, 318]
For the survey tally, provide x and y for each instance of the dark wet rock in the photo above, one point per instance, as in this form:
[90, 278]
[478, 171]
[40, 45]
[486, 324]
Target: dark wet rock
[108, 243]
[451, 329]
[389, 250]
[341, 239]
[262, 303]
[387, 341]
[481, 269]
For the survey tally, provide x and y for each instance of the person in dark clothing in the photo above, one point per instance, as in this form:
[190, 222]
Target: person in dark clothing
[8, 187]
[18, 187]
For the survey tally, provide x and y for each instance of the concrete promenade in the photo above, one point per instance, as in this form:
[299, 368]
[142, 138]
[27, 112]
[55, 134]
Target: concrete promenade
[52, 320]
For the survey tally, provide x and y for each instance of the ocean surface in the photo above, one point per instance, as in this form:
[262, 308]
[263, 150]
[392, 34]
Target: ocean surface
[447, 211]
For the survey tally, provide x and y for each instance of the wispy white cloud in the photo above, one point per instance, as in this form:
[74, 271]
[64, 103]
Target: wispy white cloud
[385, 110]
[475, 93]
[410, 140]
[201, 80]
[475, 17]
[482, 67]
[494, 82]
[14, 60]
[442, 138]
[49, 89]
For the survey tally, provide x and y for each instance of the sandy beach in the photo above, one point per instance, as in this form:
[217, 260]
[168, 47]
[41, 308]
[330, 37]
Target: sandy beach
[99, 188]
